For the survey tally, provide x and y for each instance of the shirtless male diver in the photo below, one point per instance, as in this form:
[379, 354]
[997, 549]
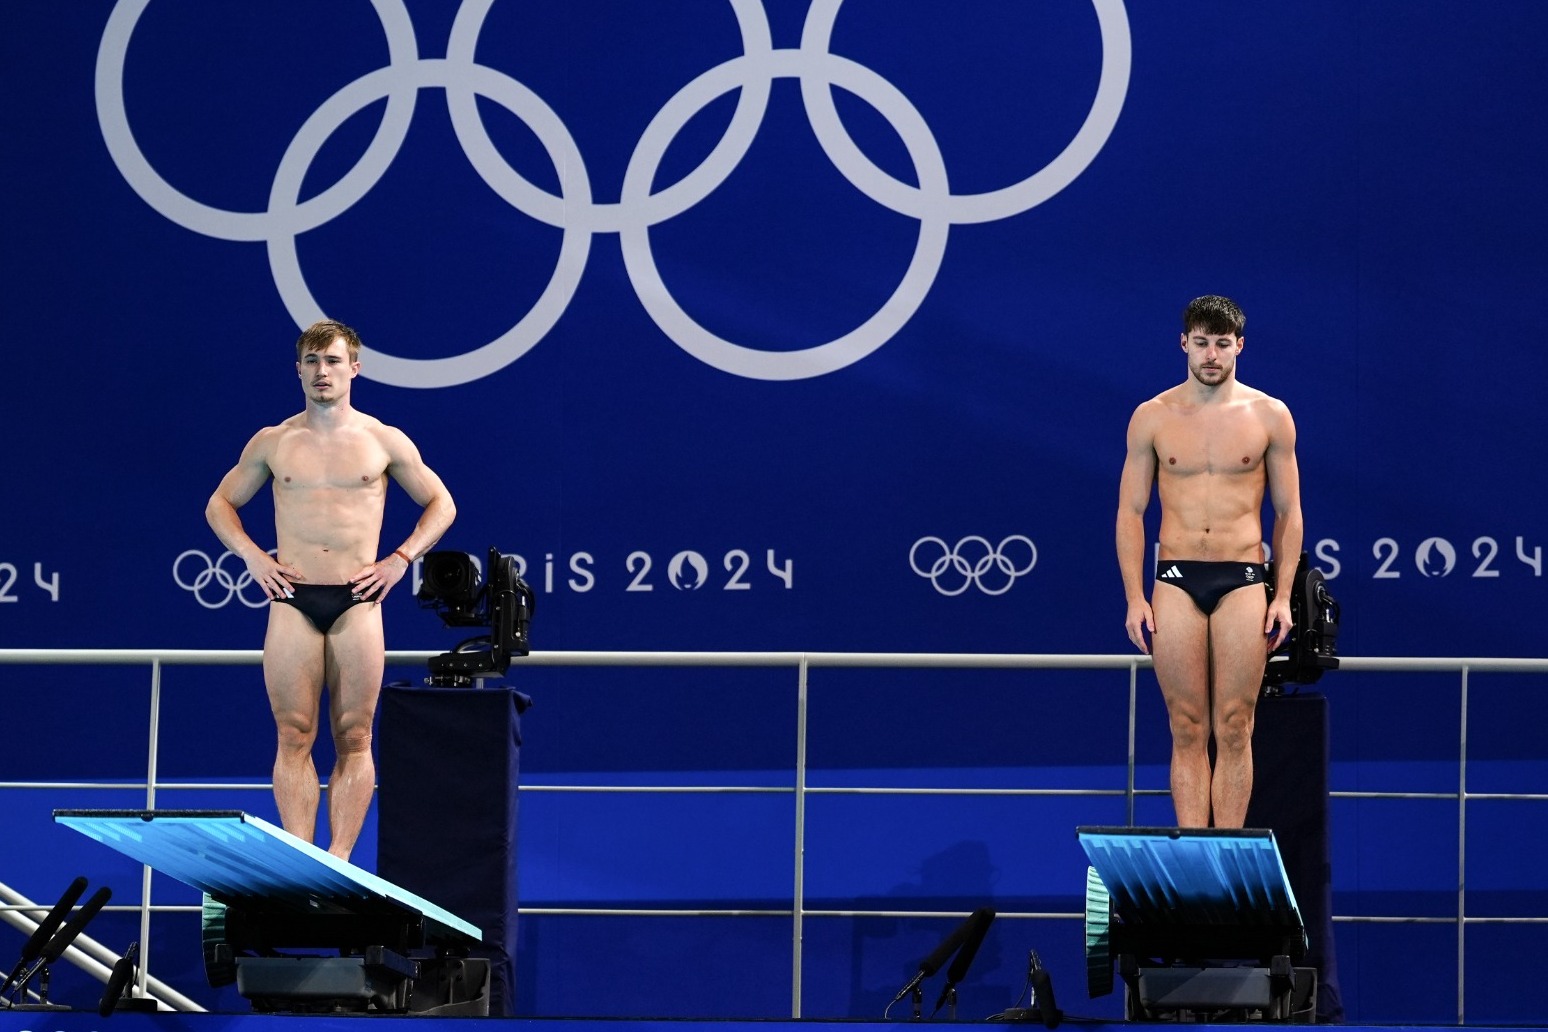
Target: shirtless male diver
[329, 465]
[1210, 446]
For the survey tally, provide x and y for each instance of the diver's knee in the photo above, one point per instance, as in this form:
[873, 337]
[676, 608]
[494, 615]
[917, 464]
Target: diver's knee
[352, 741]
[1233, 731]
[295, 731]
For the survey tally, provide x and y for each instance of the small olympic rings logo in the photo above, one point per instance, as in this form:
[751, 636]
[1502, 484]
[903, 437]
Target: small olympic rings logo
[641, 205]
[974, 561]
[215, 573]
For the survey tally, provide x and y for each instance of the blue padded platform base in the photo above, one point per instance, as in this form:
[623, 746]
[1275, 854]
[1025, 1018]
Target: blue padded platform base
[248, 864]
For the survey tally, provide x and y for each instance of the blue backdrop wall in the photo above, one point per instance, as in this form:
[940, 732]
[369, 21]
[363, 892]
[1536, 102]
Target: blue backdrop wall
[732, 319]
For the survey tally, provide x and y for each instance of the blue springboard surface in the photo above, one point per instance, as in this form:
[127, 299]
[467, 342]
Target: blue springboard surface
[1192, 875]
[235, 856]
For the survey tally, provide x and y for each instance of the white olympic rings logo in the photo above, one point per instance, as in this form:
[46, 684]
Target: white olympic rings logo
[640, 206]
[973, 560]
[215, 573]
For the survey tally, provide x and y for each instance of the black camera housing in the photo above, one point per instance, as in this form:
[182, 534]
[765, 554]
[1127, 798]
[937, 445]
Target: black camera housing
[503, 602]
[1312, 646]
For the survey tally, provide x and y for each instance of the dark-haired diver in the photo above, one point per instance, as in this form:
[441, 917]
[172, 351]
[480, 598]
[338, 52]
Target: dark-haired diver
[1210, 446]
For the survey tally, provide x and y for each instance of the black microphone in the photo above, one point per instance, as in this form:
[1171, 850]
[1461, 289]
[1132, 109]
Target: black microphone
[123, 971]
[1042, 992]
[931, 964]
[66, 935]
[977, 927]
[45, 929]
[63, 938]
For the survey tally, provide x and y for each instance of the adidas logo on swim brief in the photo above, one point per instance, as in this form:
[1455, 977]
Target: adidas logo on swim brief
[1171, 573]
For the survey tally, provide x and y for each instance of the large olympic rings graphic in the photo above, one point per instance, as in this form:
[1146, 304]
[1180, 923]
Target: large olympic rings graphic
[973, 560]
[640, 207]
[215, 573]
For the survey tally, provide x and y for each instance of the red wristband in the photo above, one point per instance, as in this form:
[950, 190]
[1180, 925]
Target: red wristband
[406, 560]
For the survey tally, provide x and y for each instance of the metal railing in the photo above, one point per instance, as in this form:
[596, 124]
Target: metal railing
[802, 663]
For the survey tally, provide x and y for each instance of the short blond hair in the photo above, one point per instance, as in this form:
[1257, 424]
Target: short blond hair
[322, 333]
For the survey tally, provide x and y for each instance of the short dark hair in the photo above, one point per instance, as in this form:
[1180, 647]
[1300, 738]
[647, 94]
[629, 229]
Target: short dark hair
[1215, 315]
[319, 335]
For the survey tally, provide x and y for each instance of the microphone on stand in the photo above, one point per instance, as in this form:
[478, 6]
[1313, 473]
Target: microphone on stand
[63, 938]
[977, 927]
[44, 931]
[931, 964]
[1042, 992]
[66, 935]
[118, 982]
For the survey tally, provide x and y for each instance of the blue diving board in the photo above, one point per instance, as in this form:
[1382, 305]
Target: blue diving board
[1195, 879]
[239, 859]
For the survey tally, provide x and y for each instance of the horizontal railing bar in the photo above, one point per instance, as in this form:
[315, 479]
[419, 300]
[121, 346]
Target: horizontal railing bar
[1393, 921]
[651, 912]
[1452, 796]
[923, 914]
[606, 912]
[132, 657]
[252, 657]
[170, 908]
[1053, 915]
[1408, 664]
[1347, 794]
[957, 660]
[781, 790]
[772, 789]
[140, 786]
[1013, 915]
[128, 907]
[832, 790]
[837, 790]
[599, 912]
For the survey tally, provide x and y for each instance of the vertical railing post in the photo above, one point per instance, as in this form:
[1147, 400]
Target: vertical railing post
[150, 804]
[798, 904]
[1133, 720]
[1462, 856]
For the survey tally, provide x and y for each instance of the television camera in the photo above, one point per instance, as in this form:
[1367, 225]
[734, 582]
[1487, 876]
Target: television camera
[503, 602]
[1312, 646]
